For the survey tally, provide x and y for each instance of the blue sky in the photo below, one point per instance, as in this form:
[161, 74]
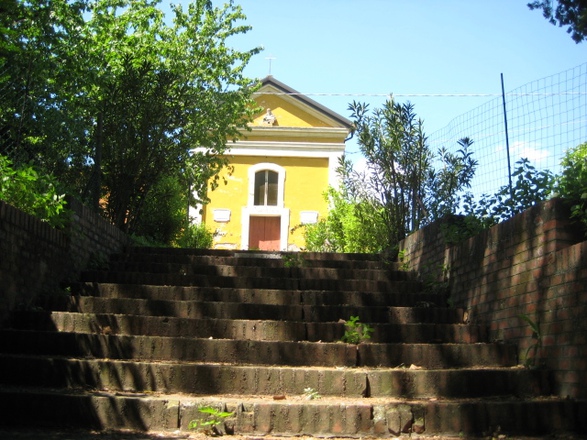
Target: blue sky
[405, 47]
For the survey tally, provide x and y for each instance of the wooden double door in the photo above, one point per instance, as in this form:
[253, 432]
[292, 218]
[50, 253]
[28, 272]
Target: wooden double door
[265, 233]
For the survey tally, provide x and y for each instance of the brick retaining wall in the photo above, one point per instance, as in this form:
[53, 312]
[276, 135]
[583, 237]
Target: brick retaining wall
[35, 258]
[534, 265]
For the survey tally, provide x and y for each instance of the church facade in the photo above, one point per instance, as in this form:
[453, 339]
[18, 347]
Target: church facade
[280, 171]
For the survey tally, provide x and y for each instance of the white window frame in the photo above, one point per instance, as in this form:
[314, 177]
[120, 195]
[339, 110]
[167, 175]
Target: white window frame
[266, 166]
[252, 210]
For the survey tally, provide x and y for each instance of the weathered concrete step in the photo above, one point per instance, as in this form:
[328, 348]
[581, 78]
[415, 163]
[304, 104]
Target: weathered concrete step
[431, 356]
[198, 378]
[225, 310]
[268, 330]
[285, 283]
[131, 252]
[260, 271]
[403, 294]
[294, 416]
[252, 259]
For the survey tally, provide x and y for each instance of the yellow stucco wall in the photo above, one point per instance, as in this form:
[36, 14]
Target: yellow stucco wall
[287, 114]
[306, 179]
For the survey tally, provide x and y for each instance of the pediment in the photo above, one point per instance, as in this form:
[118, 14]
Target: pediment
[285, 107]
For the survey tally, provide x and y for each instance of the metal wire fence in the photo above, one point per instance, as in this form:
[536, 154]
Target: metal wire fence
[12, 107]
[4, 112]
[545, 118]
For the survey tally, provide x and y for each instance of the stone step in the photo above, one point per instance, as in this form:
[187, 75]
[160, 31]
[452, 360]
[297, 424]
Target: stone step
[199, 378]
[249, 311]
[260, 271]
[327, 257]
[165, 331]
[267, 330]
[276, 282]
[430, 356]
[403, 294]
[294, 416]
[277, 260]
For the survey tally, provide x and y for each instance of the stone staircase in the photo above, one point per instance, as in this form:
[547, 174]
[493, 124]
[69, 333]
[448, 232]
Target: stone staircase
[159, 334]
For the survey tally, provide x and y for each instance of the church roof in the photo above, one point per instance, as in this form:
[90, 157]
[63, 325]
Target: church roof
[287, 90]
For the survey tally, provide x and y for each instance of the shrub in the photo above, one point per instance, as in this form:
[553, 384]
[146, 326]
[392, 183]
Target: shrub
[529, 187]
[196, 236]
[572, 183]
[163, 213]
[32, 193]
[351, 226]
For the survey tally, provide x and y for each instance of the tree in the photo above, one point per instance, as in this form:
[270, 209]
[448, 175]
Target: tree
[164, 91]
[392, 141]
[399, 191]
[164, 211]
[445, 185]
[34, 128]
[8, 14]
[571, 13]
[109, 98]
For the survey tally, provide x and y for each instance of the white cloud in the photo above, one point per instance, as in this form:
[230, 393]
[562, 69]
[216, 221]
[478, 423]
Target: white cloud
[529, 150]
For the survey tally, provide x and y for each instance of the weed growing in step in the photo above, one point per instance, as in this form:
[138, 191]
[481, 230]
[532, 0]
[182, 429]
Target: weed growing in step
[311, 394]
[356, 332]
[98, 261]
[436, 278]
[293, 260]
[537, 345]
[403, 260]
[209, 425]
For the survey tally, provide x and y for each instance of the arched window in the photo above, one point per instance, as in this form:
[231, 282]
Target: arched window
[266, 185]
[266, 188]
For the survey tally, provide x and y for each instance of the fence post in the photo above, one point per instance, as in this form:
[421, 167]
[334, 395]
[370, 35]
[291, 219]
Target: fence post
[507, 140]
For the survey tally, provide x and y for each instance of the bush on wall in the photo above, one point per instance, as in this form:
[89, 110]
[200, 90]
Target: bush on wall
[33, 193]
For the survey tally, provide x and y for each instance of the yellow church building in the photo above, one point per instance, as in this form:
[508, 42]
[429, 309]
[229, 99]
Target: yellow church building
[280, 172]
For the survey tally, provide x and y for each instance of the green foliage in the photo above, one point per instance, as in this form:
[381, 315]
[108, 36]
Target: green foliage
[36, 69]
[31, 192]
[529, 187]
[572, 183]
[445, 185]
[209, 425]
[351, 226]
[140, 241]
[111, 95]
[393, 142]
[98, 261]
[403, 260]
[356, 332]
[294, 260]
[169, 89]
[163, 211]
[436, 279]
[195, 236]
[375, 209]
[571, 13]
[398, 192]
[317, 237]
[457, 228]
[531, 361]
[311, 394]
